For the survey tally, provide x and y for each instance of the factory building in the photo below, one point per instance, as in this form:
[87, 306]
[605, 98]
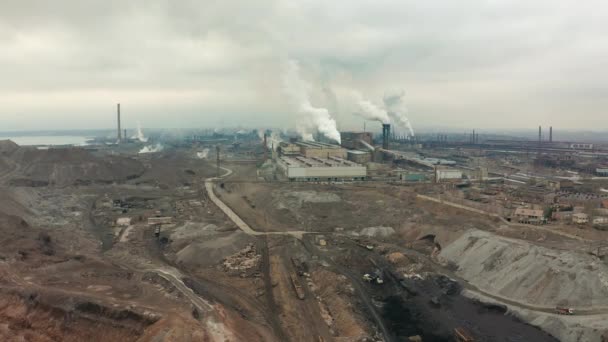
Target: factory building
[356, 140]
[359, 157]
[444, 174]
[311, 149]
[309, 169]
[288, 149]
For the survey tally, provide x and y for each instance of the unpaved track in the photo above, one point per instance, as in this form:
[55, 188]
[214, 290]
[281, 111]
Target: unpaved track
[236, 218]
[201, 305]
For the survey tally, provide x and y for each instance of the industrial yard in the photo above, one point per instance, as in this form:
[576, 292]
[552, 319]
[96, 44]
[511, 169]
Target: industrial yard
[418, 240]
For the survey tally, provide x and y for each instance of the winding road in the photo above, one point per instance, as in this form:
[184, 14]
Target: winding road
[236, 218]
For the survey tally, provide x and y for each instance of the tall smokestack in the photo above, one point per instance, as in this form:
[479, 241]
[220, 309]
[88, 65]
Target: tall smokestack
[540, 132]
[118, 119]
[474, 138]
[265, 146]
[550, 134]
[386, 133]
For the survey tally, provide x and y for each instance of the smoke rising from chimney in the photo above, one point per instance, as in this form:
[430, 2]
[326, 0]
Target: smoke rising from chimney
[140, 134]
[394, 102]
[370, 111]
[311, 118]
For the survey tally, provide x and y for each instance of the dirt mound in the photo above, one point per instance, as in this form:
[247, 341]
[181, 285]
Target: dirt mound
[175, 328]
[28, 320]
[209, 252]
[381, 232]
[69, 166]
[519, 270]
[7, 147]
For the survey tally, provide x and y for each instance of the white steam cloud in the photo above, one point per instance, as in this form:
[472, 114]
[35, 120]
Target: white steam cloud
[370, 111]
[273, 140]
[311, 119]
[152, 148]
[140, 134]
[394, 102]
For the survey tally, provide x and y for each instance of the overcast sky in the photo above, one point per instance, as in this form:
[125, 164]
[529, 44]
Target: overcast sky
[467, 63]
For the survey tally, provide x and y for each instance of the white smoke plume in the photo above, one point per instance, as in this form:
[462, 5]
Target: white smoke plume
[203, 154]
[394, 102]
[152, 148]
[273, 140]
[311, 118]
[369, 110]
[140, 134]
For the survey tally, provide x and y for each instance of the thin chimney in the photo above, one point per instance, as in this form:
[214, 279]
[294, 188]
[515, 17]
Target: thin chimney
[118, 118]
[551, 134]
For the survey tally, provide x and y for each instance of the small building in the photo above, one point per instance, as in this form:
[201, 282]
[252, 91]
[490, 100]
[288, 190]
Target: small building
[412, 177]
[359, 157]
[288, 149]
[481, 173]
[562, 184]
[562, 215]
[600, 221]
[444, 174]
[580, 218]
[123, 221]
[602, 171]
[529, 216]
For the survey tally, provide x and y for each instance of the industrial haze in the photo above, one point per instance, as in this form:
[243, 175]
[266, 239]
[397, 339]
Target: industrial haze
[474, 63]
[311, 170]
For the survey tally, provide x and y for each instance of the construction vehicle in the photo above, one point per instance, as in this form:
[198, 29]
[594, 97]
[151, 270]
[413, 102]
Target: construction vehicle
[564, 311]
[462, 335]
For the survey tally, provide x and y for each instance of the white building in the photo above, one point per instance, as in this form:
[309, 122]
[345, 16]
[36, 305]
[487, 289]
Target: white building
[445, 174]
[580, 218]
[320, 169]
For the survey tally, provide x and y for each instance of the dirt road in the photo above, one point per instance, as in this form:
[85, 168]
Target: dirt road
[209, 182]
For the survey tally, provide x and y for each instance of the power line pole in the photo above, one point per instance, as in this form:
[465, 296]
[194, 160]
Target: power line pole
[217, 151]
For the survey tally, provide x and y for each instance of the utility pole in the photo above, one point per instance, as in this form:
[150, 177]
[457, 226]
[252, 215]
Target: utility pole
[217, 151]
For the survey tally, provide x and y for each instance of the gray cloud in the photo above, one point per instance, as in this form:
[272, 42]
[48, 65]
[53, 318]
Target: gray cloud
[181, 63]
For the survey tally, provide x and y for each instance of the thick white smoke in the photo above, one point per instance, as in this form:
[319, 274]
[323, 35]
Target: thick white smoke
[140, 134]
[273, 140]
[394, 102]
[311, 118]
[203, 154]
[369, 110]
[152, 148]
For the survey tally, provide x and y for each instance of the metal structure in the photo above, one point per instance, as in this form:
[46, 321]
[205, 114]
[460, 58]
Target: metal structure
[118, 119]
[217, 151]
[386, 133]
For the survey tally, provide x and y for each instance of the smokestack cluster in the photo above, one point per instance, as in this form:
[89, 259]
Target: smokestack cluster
[474, 138]
[442, 138]
[118, 118]
[386, 133]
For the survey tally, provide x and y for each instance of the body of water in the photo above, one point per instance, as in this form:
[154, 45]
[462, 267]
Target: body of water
[48, 140]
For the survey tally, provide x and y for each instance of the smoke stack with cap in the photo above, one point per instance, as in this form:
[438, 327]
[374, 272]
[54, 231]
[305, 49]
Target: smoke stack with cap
[118, 119]
[386, 133]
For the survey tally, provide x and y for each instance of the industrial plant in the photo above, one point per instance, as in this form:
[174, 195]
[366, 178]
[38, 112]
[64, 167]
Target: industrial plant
[357, 235]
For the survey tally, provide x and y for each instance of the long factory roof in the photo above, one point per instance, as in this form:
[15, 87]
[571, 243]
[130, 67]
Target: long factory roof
[314, 144]
[301, 161]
